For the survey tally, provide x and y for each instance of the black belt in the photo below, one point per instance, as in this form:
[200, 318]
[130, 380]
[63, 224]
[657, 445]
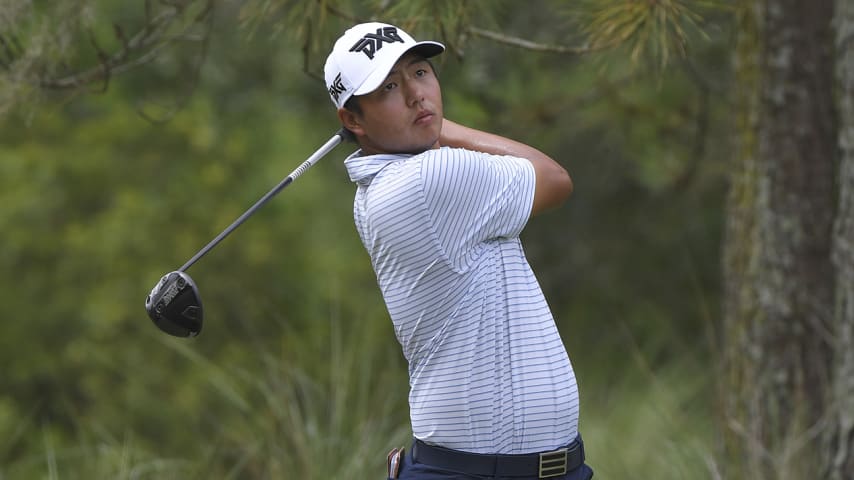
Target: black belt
[541, 465]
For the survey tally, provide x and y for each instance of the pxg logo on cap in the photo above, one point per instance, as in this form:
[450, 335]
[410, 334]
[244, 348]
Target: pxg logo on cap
[363, 56]
[371, 42]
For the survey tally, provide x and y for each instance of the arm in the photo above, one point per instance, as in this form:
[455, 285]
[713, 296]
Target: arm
[553, 182]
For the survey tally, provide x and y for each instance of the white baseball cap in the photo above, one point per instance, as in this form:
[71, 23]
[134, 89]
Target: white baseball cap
[363, 56]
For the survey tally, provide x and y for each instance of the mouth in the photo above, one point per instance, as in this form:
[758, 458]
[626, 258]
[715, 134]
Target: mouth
[423, 117]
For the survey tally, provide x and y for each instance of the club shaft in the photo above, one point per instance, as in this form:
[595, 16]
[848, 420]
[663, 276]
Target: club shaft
[320, 153]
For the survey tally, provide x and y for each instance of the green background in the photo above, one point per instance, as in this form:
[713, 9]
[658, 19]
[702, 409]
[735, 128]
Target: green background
[297, 373]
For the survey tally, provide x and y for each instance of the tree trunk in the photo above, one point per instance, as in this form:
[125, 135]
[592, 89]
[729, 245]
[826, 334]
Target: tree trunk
[841, 433]
[739, 402]
[779, 282]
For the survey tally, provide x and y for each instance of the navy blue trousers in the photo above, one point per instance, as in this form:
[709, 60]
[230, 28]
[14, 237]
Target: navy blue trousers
[410, 470]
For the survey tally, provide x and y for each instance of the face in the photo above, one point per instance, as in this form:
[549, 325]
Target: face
[403, 115]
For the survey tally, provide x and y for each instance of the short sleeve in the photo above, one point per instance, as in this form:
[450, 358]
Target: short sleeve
[474, 197]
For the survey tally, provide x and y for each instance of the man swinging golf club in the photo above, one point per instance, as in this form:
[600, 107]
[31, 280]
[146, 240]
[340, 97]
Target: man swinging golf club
[439, 208]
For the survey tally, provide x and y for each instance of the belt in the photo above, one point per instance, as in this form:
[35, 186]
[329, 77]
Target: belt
[539, 465]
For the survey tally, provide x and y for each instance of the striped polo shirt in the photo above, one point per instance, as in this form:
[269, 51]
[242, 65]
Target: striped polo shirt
[488, 372]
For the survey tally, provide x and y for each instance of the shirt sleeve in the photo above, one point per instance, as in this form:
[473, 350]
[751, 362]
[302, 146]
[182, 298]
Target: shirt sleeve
[473, 197]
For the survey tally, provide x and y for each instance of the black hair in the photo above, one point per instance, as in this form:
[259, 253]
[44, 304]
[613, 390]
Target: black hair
[352, 104]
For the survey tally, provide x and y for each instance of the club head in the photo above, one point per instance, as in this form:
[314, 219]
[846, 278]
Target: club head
[175, 306]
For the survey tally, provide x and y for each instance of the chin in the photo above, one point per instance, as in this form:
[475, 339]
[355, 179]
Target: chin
[423, 148]
[413, 146]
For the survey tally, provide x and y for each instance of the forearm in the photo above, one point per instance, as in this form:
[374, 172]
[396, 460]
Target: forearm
[459, 136]
[553, 182]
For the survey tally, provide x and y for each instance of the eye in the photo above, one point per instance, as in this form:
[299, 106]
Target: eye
[420, 72]
[389, 86]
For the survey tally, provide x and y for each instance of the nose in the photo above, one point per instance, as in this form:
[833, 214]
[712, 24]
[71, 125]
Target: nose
[414, 93]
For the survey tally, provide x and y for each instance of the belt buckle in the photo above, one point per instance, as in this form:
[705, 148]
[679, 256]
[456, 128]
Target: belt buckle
[553, 464]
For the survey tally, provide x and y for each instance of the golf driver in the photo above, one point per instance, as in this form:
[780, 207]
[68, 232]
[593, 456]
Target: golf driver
[174, 303]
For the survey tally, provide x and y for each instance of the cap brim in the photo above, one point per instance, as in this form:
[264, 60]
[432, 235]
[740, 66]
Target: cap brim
[426, 48]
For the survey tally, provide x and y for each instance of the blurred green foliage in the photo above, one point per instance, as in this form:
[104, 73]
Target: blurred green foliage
[297, 373]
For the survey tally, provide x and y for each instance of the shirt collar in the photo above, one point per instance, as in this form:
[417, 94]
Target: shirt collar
[363, 168]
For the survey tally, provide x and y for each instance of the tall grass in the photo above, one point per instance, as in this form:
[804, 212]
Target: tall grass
[337, 417]
[651, 424]
[328, 405]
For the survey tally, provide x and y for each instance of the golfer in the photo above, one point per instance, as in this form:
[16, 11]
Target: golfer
[439, 208]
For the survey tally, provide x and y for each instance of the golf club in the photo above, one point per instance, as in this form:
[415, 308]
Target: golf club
[174, 303]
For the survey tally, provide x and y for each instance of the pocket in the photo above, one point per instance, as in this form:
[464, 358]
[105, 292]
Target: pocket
[394, 460]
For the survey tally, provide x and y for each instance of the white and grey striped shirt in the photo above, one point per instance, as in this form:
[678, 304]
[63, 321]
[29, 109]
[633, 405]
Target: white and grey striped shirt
[488, 371]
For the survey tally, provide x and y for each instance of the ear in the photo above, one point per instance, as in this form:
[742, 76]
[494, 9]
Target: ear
[350, 121]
